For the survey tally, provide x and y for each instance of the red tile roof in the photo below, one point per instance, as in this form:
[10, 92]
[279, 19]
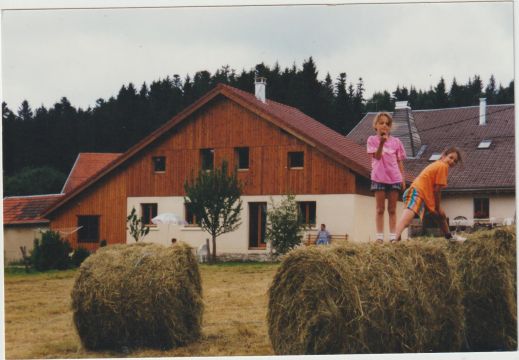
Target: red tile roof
[290, 119]
[86, 165]
[27, 209]
[482, 169]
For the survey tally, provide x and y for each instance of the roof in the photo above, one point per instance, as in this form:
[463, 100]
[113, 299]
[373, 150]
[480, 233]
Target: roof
[305, 128]
[27, 209]
[86, 165]
[482, 169]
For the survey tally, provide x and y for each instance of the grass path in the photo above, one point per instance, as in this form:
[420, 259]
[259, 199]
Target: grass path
[38, 319]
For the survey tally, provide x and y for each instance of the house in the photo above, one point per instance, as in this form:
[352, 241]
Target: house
[482, 188]
[276, 148]
[22, 214]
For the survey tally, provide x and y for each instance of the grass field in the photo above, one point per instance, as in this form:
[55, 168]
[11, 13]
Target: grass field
[38, 319]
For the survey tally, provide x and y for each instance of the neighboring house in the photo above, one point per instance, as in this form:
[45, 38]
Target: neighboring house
[23, 223]
[22, 214]
[276, 148]
[482, 188]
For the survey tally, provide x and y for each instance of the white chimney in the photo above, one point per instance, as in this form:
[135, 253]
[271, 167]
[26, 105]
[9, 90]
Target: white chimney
[260, 88]
[482, 111]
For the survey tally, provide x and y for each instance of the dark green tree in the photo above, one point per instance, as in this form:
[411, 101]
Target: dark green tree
[214, 198]
[138, 230]
[441, 98]
[34, 181]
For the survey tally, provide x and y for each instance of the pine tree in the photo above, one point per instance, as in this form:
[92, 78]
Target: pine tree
[441, 99]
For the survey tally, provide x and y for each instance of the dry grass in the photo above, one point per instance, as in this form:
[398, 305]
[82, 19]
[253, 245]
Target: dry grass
[38, 318]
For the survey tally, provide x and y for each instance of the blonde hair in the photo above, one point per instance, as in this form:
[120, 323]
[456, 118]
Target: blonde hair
[379, 115]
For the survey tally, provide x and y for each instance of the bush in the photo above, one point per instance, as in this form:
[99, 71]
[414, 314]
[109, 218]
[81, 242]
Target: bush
[51, 252]
[284, 225]
[79, 255]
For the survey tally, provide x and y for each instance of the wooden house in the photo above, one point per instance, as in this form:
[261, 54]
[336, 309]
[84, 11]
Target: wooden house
[277, 150]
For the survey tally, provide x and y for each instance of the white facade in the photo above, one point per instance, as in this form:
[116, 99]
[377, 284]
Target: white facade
[349, 214]
[501, 207]
[21, 235]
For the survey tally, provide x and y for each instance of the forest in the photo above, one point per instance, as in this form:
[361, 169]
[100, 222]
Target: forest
[41, 144]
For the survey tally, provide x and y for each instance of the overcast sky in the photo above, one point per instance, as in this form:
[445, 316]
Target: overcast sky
[88, 54]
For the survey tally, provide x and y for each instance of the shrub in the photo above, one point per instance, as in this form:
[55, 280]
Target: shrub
[79, 255]
[284, 225]
[51, 252]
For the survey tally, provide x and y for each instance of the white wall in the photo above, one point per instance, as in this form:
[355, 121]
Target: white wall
[17, 236]
[500, 207]
[342, 213]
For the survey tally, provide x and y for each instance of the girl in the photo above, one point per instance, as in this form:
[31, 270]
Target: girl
[424, 193]
[387, 172]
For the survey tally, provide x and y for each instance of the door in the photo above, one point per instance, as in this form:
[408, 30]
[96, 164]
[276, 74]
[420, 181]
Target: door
[257, 222]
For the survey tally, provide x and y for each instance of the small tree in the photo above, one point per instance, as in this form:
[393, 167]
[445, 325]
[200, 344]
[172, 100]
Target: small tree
[136, 226]
[214, 198]
[284, 224]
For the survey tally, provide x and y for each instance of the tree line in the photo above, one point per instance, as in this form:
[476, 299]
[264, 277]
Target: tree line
[53, 137]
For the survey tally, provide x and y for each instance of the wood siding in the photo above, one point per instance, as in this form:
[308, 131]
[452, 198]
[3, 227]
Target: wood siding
[222, 125]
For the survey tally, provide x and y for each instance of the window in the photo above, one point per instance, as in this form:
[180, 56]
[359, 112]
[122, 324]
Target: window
[207, 159]
[242, 156]
[485, 144]
[296, 159]
[307, 209]
[435, 156]
[89, 229]
[159, 163]
[190, 216]
[149, 211]
[481, 208]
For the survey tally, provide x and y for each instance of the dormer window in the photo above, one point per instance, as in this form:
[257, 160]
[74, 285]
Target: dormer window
[435, 156]
[485, 144]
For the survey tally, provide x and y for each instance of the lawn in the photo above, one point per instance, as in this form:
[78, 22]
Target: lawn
[38, 319]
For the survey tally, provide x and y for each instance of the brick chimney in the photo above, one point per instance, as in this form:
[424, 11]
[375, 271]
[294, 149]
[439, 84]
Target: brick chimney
[260, 85]
[405, 129]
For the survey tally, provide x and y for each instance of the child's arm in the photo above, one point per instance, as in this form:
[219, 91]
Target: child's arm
[437, 199]
[378, 154]
[401, 166]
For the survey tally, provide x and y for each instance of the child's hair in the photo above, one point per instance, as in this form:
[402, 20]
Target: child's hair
[453, 149]
[379, 115]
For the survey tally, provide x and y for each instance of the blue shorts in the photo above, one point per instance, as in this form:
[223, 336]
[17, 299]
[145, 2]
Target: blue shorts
[376, 186]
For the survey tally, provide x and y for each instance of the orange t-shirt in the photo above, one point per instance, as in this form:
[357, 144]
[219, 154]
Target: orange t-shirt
[434, 174]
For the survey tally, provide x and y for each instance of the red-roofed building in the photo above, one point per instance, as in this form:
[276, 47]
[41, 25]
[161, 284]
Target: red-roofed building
[22, 214]
[276, 148]
[86, 165]
[23, 223]
[482, 188]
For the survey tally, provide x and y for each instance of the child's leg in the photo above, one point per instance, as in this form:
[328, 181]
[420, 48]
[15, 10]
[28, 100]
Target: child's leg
[391, 209]
[380, 198]
[441, 220]
[404, 221]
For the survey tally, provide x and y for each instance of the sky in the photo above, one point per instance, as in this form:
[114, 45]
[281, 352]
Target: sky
[87, 54]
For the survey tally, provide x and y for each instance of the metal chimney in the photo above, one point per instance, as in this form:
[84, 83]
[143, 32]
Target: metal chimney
[260, 84]
[482, 111]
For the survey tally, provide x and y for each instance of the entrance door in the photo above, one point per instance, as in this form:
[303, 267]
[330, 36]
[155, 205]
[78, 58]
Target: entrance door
[257, 221]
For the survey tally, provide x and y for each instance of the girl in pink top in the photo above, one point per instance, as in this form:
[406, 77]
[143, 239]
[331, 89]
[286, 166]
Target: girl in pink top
[387, 172]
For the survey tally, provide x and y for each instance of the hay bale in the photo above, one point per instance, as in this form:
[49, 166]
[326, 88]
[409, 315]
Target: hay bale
[487, 267]
[365, 299]
[139, 295]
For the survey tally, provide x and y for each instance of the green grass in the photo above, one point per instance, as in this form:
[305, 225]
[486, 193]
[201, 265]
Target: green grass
[17, 271]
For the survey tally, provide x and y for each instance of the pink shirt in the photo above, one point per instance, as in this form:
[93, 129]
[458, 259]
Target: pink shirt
[386, 169]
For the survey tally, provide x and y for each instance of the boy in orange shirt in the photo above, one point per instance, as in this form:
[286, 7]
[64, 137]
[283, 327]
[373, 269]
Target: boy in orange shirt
[424, 193]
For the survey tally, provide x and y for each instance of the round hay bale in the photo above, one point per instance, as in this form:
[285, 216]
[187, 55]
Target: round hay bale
[139, 295]
[365, 299]
[487, 267]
